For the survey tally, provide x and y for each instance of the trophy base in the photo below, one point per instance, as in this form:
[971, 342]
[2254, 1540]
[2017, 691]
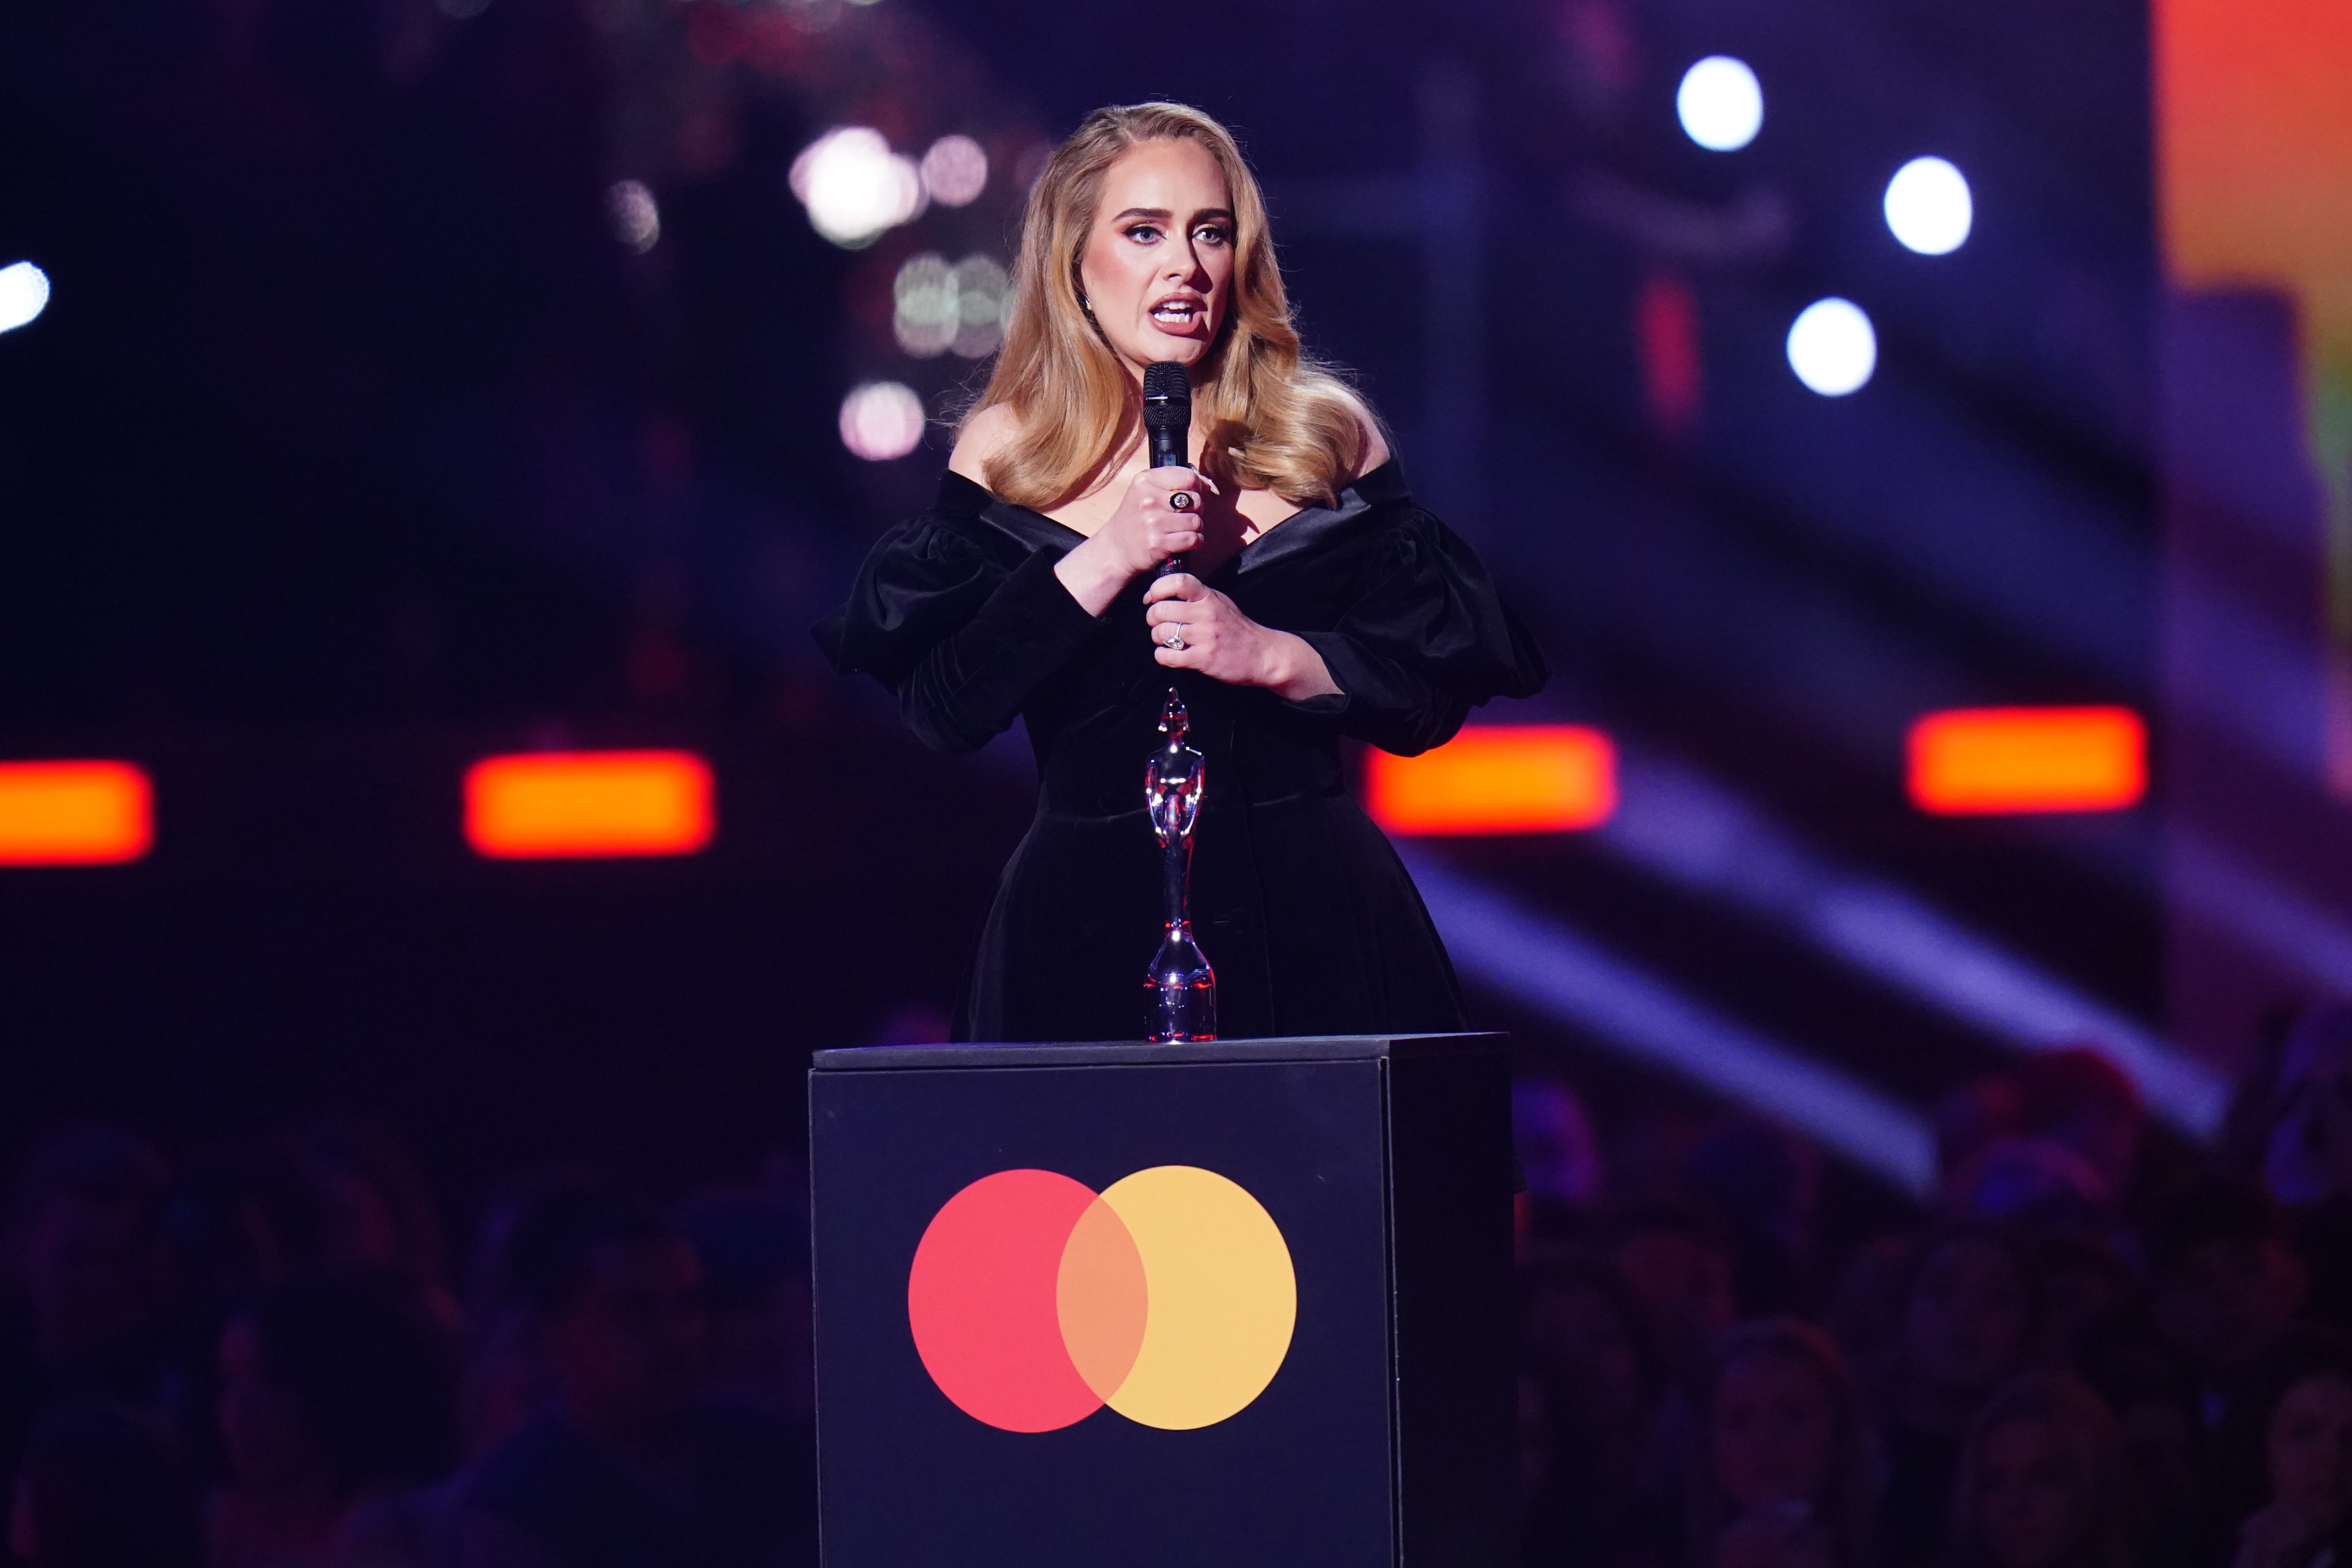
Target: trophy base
[1183, 1010]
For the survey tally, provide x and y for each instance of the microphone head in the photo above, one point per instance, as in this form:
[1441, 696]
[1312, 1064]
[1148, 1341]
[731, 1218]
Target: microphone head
[1167, 396]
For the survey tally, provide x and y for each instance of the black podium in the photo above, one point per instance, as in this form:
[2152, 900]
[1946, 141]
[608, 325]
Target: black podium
[1127, 1305]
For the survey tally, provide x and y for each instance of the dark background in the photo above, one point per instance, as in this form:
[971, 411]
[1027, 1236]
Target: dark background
[355, 446]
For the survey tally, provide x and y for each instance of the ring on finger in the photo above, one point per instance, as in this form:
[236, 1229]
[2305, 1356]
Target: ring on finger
[1180, 501]
[1174, 637]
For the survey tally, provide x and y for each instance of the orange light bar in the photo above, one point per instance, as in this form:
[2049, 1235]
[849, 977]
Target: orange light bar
[1530, 778]
[74, 814]
[564, 805]
[1988, 761]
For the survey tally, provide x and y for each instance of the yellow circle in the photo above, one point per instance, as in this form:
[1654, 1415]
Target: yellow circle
[1223, 1298]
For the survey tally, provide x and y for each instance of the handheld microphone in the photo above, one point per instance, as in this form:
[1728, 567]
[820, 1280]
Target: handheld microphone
[1167, 413]
[1167, 425]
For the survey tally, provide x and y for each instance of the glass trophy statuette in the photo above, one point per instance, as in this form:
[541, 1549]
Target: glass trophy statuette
[1184, 988]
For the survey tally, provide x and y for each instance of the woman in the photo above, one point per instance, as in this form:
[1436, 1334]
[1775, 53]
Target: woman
[1319, 604]
[1780, 1471]
[2286, 1455]
[1970, 1314]
[2044, 1482]
[1590, 1387]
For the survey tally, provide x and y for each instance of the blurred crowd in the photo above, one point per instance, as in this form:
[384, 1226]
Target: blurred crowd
[269, 1363]
[2104, 1347]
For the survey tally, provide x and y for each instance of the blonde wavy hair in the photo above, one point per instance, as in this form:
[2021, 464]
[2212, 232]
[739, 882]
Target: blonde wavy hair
[1275, 419]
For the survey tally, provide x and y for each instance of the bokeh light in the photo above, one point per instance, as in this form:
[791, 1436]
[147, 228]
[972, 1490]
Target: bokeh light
[881, 420]
[1720, 104]
[925, 317]
[853, 186]
[1928, 206]
[937, 307]
[1833, 348]
[955, 171]
[636, 218]
[24, 294]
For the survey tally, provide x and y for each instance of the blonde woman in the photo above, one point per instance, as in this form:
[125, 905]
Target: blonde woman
[1320, 604]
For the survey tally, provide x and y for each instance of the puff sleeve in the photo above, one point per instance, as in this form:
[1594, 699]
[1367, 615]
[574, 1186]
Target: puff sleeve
[1422, 638]
[961, 632]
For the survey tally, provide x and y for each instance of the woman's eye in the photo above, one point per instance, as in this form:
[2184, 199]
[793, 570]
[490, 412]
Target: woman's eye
[1214, 236]
[1144, 233]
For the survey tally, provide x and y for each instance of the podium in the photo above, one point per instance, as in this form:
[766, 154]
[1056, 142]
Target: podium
[1126, 1305]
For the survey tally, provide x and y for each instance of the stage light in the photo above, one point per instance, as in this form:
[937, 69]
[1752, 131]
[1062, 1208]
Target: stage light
[1495, 778]
[881, 420]
[853, 186]
[926, 312]
[1991, 760]
[636, 218]
[1928, 206]
[1833, 348]
[955, 171]
[937, 307]
[588, 804]
[74, 814]
[983, 299]
[24, 294]
[1720, 104]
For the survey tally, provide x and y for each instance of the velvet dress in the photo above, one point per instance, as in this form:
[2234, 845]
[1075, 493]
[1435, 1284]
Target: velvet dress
[1307, 917]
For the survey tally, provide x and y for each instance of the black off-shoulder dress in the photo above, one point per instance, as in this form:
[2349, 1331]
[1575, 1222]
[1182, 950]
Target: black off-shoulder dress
[1305, 911]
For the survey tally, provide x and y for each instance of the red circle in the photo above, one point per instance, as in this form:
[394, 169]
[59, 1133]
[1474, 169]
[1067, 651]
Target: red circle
[981, 1301]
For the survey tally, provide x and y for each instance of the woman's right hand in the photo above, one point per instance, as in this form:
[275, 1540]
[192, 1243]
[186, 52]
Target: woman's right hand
[1150, 526]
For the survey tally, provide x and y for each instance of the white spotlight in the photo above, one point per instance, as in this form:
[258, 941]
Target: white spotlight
[24, 294]
[955, 171]
[855, 186]
[1720, 104]
[881, 420]
[1833, 348]
[635, 215]
[1928, 206]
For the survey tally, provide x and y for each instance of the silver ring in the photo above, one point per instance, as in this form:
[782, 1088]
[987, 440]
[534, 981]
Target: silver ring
[1180, 501]
[1175, 638]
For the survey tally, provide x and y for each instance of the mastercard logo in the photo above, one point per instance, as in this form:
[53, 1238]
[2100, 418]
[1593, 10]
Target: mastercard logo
[1168, 1295]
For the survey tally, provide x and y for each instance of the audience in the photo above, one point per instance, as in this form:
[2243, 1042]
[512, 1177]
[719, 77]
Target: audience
[1778, 1475]
[2285, 1459]
[2102, 1350]
[631, 1464]
[2043, 1482]
[102, 1485]
[1967, 1324]
[337, 1391]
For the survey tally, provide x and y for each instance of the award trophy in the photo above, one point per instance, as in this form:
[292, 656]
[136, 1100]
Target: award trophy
[1184, 988]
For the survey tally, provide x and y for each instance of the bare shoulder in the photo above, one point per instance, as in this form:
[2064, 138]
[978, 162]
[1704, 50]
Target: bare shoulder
[985, 434]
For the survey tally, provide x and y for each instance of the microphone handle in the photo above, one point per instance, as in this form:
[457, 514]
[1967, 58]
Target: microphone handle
[1168, 452]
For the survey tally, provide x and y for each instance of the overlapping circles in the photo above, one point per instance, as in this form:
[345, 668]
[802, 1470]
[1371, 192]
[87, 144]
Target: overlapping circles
[1169, 1296]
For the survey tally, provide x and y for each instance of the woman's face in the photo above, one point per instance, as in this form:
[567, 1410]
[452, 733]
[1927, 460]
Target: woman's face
[1771, 1432]
[2310, 1444]
[1157, 267]
[1965, 1324]
[2032, 1498]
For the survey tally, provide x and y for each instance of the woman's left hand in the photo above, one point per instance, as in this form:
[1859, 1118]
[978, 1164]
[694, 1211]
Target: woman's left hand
[1225, 645]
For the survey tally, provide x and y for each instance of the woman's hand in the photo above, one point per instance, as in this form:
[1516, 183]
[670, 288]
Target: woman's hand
[1150, 525]
[1195, 626]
